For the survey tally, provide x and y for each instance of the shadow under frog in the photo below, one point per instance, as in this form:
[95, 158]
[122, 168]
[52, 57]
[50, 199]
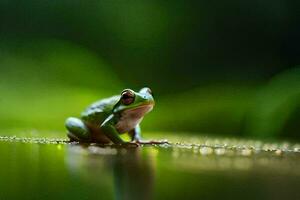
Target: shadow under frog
[132, 170]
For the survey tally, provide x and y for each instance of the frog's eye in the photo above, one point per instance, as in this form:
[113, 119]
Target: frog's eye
[149, 91]
[146, 90]
[127, 97]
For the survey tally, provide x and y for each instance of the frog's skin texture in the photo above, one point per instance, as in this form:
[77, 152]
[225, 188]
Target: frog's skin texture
[104, 121]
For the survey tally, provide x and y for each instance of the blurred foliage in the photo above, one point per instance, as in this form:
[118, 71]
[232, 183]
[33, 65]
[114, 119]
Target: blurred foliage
[215, 67]
[44, 81]
[276, 107]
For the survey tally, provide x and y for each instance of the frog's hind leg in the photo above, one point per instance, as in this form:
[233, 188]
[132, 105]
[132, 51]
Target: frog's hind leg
[78, 131]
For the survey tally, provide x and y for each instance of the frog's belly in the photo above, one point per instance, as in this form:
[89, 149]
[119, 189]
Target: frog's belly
[127, 125]
[131, 118]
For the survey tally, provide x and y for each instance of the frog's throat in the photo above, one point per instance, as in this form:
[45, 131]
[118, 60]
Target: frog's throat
[130, 118]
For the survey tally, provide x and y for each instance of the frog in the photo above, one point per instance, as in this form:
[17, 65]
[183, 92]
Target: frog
[104, 121]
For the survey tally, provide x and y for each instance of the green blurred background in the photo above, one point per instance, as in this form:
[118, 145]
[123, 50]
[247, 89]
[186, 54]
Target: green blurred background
[224, 68]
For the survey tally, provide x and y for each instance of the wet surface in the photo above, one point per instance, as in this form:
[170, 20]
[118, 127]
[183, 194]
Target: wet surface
[37, 168]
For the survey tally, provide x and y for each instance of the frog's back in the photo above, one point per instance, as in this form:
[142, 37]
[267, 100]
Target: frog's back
[100, 110]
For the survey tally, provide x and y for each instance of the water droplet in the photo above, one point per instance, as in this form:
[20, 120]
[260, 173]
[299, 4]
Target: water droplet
[206, 150]
[246, 152]
[278, 152]
[220, 151]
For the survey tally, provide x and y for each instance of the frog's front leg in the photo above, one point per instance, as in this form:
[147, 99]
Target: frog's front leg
[136, 137]
[78, 131]
[135, 134]
[108, 128]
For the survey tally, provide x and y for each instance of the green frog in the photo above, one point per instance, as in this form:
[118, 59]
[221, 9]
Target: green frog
[104, 121]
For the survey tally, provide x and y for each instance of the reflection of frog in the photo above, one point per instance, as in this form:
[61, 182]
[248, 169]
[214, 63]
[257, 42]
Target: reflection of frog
[134, 174]
[105, 120]
[113, 173]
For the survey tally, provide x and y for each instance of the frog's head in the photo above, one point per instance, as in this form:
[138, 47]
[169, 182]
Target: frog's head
[139, 103]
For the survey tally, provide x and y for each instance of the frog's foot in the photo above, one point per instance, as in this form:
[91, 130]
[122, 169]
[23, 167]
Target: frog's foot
[151, 142]
[78, 131]
[130, 144]
[126, 145]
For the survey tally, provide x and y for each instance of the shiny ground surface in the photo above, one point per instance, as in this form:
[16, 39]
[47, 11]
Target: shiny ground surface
[189, 168]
